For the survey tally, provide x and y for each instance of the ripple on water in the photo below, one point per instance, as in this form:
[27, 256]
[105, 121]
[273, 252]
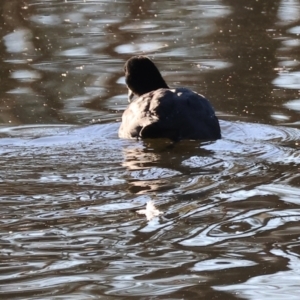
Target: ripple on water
[279, 285]
[70, 195]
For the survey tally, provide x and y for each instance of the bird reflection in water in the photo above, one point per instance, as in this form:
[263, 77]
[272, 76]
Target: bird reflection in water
[154, 166]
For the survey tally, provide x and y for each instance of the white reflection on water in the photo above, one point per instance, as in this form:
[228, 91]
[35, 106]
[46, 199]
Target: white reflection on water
[46, 19]
[78, 52]
[293, 104]
[26, 75]
[279, 117]
[19, 41]
[285, 192]
[289, 80]
[222, 263]
[289, 11]
[140, 47]
[295, 30]
[275, 286]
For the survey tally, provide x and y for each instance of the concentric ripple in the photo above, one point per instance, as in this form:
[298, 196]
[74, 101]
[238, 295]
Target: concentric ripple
[70, 195]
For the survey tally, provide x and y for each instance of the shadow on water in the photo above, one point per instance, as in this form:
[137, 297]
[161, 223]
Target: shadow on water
[70, 191]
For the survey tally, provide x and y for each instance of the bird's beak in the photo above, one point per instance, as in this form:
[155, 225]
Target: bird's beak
[130, 95]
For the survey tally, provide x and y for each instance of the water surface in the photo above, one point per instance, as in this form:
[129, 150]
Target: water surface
[71, 189]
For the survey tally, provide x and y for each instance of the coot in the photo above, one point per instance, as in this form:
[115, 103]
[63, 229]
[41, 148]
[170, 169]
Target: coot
[163, 112]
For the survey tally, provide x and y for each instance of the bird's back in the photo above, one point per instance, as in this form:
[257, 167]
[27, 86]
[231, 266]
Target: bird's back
[170, 113]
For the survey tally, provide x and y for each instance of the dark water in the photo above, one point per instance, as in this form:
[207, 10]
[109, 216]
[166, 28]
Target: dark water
[70, 190]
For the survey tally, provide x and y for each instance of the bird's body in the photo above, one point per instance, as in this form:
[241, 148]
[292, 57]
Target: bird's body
[161, 112]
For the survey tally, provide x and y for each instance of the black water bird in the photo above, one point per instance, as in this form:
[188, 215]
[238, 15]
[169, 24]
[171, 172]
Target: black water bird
[162, 112]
